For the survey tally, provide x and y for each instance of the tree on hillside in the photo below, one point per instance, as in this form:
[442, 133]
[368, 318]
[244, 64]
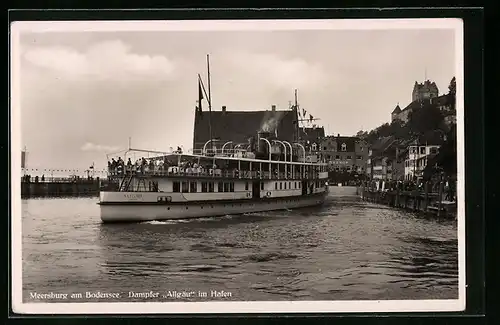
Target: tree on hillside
[428, 117]
[446, 159]
[453, 92]
[362, 134]
[452, 87]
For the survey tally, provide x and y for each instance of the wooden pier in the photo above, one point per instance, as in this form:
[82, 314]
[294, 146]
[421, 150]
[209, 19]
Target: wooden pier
[65, 187]
[416, 200]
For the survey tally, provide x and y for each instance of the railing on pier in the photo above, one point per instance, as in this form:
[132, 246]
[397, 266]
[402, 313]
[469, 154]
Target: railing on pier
[60, 179]
[425, 197]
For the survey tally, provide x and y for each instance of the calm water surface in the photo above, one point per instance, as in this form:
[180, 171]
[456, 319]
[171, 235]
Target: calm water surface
[346, 249]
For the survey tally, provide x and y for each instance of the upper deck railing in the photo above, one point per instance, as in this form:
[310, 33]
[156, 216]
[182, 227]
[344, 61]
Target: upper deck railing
[200, 172]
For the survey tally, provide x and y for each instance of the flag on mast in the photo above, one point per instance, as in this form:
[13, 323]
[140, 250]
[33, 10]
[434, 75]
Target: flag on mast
[200, 95]
[23, 159]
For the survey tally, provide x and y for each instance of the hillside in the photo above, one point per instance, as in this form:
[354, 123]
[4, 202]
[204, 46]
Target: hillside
[428, 124]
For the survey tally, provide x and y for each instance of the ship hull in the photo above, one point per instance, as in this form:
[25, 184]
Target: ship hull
[140, 212]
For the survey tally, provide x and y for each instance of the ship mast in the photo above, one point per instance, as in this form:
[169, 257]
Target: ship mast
[209, 100]
[297, 127]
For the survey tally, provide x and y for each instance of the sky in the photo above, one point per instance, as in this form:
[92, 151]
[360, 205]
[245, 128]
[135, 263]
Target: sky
[83, 94]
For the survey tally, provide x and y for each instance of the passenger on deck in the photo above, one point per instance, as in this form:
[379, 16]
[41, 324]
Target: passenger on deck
[120, 165]
[143, 164]
[113, 166]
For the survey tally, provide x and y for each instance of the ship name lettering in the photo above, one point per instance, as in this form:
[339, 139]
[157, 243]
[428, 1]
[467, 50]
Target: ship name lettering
[133, 196]
[181, 294]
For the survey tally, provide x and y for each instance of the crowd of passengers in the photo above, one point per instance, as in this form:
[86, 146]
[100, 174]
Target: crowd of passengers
[158, 166]
[144, 166]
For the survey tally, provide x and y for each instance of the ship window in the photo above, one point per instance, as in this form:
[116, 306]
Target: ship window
[295, 184]
[231, 187]
[204, 187]
[193, 188]
[337, 157]
[226, 187]
[246, 186]
[289, 185]
[220, 187]
[281, 185]
[261, 185]
[185, 187]
[176, 187]
[275, 185]
[210, 186]
[349, 157]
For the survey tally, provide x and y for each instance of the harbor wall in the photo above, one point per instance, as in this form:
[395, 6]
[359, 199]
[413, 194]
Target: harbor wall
[343, 190]
[62, 188]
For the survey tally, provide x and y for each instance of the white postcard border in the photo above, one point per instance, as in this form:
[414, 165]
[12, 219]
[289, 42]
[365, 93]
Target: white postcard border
[229, 307]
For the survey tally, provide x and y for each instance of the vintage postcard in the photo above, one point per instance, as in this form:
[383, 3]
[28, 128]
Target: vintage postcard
[270, 166]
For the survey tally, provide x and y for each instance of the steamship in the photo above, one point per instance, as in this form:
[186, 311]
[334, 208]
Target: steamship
[264, 173]
[215, 182]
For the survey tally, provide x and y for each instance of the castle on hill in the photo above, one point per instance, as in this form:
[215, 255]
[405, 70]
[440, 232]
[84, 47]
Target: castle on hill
[422, 92]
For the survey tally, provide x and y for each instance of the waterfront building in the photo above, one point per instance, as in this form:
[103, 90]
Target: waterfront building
[416, 160]
[344, 154]
[388, 165]
[232, 129]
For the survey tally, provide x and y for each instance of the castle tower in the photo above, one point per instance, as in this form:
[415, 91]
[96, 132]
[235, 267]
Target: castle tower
[395, 113]
[425, 90]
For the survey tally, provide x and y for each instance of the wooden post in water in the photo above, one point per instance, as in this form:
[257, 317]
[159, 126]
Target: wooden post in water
[426, 201]
[397, 195]
[440, 198]
[415, 197]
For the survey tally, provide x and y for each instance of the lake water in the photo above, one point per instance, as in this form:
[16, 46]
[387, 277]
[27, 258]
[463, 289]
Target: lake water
[346, 249]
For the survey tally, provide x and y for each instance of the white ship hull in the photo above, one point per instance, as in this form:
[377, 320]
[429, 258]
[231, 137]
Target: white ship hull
[150, 212]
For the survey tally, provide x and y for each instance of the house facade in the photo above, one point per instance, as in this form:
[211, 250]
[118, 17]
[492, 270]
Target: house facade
[344, 154]
[416, 160]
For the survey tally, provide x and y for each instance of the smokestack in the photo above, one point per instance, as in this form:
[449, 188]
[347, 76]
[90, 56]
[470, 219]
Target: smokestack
[223, 108]
[262, 145]
[273, 108]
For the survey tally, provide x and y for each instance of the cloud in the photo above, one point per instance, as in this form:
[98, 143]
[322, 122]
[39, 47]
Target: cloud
[89, 146]
[105, 60]
[279, 72]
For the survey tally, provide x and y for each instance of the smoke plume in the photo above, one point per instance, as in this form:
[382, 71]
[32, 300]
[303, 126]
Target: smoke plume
[271, 121]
